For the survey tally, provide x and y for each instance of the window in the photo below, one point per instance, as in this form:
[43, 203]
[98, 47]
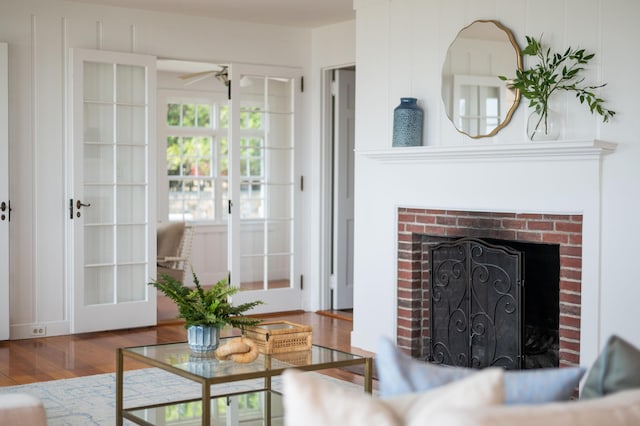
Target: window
[197, 156]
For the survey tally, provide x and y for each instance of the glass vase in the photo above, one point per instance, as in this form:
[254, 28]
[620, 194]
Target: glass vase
[544, 126]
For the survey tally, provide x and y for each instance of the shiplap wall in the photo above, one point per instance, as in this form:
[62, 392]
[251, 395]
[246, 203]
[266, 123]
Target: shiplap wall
[40, 34]
[401, 45]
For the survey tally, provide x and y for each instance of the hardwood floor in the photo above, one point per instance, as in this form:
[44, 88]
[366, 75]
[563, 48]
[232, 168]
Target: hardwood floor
[60, 357]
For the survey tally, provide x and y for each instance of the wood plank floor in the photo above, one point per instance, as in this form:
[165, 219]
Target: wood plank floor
[59, 357]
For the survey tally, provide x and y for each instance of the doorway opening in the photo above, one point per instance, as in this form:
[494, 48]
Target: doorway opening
[338, 218]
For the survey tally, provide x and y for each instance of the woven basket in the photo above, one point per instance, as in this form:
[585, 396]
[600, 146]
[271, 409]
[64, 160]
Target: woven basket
[274, 337]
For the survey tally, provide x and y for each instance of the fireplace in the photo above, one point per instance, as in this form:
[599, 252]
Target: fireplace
[491, 302]
[550, 329]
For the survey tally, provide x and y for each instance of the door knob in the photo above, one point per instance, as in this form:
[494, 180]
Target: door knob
[81, 204]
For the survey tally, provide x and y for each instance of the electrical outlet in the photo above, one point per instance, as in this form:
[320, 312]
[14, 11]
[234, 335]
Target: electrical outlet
[38, 330]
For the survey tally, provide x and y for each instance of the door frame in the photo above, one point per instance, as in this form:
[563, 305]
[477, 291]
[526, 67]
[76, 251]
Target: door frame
[4, 192]
[326, 189]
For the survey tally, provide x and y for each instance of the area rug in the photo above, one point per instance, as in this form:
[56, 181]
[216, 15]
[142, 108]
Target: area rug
[90, 400]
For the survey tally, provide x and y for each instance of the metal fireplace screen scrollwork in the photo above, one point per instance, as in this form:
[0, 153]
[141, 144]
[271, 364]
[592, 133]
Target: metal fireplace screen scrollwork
[476, 304]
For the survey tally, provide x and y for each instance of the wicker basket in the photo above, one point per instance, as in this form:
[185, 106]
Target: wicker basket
[274, 337]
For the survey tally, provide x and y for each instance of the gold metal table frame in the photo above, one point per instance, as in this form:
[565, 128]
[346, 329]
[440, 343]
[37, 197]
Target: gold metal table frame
[178, 359]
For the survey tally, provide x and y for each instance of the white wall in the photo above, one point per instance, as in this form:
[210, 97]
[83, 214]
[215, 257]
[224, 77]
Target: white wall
[333, 46]
[401, 46]
[40, 34]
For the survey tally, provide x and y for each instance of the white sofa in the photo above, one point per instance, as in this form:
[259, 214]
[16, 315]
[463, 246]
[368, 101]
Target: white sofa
[618, 409]
[21, 409]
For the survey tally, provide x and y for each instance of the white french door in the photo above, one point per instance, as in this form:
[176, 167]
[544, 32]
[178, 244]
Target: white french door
[262, 186]
[112, 197]
[4, 194]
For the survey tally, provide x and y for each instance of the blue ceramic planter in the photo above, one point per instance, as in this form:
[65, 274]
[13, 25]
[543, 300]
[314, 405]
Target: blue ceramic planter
[203, 339]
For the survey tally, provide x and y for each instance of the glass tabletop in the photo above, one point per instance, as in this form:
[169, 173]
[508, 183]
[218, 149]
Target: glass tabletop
[179, 356]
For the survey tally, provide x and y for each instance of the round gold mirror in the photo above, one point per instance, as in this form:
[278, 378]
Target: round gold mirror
[477, 102]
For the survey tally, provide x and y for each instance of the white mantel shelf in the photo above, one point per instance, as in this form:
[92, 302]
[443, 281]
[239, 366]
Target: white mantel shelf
[530, 151]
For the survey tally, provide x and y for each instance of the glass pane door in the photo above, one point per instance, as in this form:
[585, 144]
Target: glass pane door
[114, 233]
[262, 185]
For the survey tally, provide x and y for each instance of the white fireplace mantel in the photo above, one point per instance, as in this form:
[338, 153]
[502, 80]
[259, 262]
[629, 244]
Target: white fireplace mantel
[532, 151]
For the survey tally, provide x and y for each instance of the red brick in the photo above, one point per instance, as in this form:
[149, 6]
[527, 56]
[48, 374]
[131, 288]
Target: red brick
[406, 285]
[569, 321]
[553, 237]
[406, 218]
[570, 262]
[446, 220]
[466, 222]
[569, 310]
[405, 236]
[414, 211]
[408, 333]
[570, 333]
[529, 236]
[530, 216]
[569, 360]
[514, 224]
[567, 285]
[570, 298]
[434, 230]
[539, 225]
[575, 239]
[576, 218]
[571, 274]
[567, 250]
[572, 346]
[569, 227]
[426, 219]
[409, 275]
[414, 228]
[409, 323]
[453, 212]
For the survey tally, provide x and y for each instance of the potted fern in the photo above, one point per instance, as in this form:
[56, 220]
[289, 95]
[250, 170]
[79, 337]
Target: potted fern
[205, 311]
[554, 72]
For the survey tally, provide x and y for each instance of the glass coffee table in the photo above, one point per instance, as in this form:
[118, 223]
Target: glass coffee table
[178, 359]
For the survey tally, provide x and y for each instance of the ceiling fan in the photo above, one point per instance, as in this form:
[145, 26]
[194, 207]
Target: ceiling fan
[221, 75]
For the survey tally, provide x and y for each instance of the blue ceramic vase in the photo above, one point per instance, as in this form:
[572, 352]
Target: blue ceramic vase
[407, 123]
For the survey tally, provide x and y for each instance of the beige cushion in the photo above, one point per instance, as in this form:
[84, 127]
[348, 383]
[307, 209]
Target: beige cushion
[21, 409]
[312, 401]
[619, 409]
[169, 238]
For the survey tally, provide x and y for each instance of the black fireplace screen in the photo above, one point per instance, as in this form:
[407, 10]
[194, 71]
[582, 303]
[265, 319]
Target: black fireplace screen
[476, 317]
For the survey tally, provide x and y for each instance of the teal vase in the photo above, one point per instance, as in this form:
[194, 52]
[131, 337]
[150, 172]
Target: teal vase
[407, 123]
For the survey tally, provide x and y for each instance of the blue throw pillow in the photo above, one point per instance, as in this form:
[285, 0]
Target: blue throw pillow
[616, 369]
[400, 374]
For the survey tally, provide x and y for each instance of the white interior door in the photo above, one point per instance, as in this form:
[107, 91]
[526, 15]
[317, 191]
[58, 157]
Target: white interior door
[4, 195]
[344, 144]
[113, 191]
[262, 186]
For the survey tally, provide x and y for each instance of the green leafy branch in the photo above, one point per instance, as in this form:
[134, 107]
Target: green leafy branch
[557, 71]
[206, 307]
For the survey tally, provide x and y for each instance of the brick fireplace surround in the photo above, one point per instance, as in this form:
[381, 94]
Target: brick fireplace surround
[413, 291]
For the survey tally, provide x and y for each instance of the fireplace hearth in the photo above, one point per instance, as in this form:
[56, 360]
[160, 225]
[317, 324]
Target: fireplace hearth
[551, 245]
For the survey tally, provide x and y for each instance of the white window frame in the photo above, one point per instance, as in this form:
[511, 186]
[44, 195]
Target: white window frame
[217, 100]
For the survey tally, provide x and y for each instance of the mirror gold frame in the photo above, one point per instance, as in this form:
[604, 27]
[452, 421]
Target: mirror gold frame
[476, 101]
